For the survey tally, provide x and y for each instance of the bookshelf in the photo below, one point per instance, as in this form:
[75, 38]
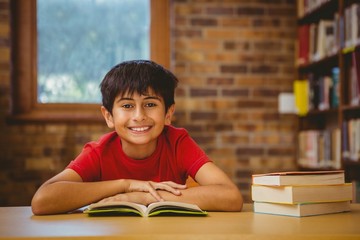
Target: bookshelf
[328, 60]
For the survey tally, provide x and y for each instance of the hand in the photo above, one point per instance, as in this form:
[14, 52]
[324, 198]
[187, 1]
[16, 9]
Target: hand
[151, 187]
[143, 198]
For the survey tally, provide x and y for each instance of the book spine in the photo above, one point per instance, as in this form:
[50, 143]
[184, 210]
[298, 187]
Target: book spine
[319, 149]
[301, 93]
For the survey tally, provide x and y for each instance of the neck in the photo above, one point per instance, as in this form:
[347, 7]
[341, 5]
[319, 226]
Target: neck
[139, 152]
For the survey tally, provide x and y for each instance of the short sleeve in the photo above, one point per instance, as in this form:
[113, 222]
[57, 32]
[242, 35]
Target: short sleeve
[190, 154]
[87, 164]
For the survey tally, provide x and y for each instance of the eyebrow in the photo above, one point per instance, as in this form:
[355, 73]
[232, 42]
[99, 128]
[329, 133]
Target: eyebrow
[131, 99]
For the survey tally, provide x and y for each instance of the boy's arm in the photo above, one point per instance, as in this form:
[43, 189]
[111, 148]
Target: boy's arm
[216, 192]
[66, 192]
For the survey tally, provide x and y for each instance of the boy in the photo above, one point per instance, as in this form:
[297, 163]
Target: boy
[145, 159]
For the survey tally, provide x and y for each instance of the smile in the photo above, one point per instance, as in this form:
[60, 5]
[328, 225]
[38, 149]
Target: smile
[139, 129]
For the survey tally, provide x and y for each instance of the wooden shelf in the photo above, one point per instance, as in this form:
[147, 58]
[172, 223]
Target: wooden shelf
[324, 11]
[334, 118]
[327, 62]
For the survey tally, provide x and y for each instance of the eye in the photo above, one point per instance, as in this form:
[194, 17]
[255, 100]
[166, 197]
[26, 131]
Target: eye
[151, 104]
[127, 106]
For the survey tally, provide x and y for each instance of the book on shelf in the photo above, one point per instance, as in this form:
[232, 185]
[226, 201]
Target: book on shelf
[314, 91]
[336, 148]
[351, 140]
[352, 25]
[324, 39]
[302, 209]
[316, 40]
[345, 140]
[319, 148]
[337, 33]
[356, 64]
[308, 148]
[354, 75]
[119, 208]
[301, 95]
[324, 90]
[299, 178]
[354, 139]
[303, 44]
[335, 91]
[325, 86]
[313, 32]
[302, 193]
[307, 6]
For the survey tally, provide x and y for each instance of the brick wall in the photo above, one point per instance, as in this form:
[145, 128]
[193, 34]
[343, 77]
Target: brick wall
[232, 57]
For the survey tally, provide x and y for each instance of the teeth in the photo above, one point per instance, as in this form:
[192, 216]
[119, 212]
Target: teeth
[140, 129]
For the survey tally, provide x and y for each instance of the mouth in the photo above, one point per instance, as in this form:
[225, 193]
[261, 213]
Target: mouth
[139, 129]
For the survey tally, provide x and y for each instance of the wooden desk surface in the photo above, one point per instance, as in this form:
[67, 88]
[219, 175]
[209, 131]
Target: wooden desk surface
[19, 223]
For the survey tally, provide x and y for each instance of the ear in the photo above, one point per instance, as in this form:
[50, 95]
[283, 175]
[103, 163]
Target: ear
[169, 114]
[108, 117]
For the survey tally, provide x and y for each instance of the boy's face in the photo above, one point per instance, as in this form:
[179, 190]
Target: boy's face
[138, 120]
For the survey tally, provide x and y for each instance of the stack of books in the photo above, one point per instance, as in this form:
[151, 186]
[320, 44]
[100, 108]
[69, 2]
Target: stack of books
[301, 193]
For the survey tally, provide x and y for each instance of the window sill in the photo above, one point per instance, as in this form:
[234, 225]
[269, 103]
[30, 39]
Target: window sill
[56, 116]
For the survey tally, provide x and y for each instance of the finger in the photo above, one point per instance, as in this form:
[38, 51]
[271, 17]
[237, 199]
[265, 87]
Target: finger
[153, 192]
[168, 188]
[176, 185]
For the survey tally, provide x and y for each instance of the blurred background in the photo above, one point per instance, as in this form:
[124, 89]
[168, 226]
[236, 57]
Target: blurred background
[232, 57]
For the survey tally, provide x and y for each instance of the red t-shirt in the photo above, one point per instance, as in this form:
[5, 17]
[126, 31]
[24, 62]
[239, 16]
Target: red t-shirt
[176, 157]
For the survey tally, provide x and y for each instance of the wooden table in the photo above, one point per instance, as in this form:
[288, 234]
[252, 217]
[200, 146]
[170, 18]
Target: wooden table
[19, 223]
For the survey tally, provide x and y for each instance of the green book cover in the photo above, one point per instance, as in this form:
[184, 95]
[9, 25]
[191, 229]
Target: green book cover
[165, 208]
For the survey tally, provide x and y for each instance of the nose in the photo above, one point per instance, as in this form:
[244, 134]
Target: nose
[139, 114]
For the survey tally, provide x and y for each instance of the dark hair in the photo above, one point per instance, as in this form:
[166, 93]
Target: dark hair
[138, 76]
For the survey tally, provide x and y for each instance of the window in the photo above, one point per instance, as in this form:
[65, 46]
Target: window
[28, 104]
[78, 41]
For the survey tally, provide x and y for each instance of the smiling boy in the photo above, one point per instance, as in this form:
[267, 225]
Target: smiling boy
[144, 159]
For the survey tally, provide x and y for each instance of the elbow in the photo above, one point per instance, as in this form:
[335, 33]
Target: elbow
[40, 205]
[36, 205]
[237, 202]
[36, 209]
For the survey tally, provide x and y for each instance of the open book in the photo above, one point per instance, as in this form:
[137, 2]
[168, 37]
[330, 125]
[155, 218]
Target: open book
[158, 208]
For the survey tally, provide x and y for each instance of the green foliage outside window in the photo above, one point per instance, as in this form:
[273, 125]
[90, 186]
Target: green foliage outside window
[80, 40]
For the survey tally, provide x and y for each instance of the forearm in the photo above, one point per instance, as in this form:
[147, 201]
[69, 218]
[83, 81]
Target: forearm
[209, 197]
[65, 196]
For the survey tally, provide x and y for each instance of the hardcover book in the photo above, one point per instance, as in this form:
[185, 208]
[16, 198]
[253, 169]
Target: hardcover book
[302, 193]
[302, 210]
[300, 178]
[133, 209]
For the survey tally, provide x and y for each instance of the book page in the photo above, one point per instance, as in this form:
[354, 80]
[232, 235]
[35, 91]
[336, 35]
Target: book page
[118, 204]
[173, 205]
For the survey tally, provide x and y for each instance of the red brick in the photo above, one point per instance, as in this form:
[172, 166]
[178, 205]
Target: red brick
[220, 81]
[235, 92]
[220, 11]
[196, 92]
[204, 116]
[250, 151]
[204, 22]
[250, 11]
[234, 68]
